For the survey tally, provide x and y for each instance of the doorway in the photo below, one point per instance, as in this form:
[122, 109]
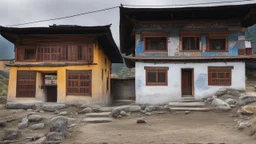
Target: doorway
[187, 82]
[50, 87]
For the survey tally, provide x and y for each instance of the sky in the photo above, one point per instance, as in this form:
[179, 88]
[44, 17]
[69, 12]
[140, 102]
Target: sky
[21, 11]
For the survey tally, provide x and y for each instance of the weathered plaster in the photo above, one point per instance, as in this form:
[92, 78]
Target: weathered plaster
[172, 92]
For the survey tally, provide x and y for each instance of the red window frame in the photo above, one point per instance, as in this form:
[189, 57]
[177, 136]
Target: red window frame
[220, 76]
[223, 35]
[156, 70]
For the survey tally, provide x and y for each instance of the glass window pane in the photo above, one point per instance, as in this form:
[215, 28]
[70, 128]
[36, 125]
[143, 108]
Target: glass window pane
[158, 43]
[214, 75]
[151, 76]
[190, 43]
[161, 77]
[217, 44]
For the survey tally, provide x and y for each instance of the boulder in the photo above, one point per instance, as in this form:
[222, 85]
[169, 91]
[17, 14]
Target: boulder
[148, 113]
[2, 123]
[59, 124]
[231, 101]
[35, 118]
[220, 104]
[53, 107]
[37, 126]
[24, 123]
[35, 136]
[55, 136]
[249, 109]
[242, 125]
[41, 140]
[63, 113]
[221, 92]
[119, 116]
[141, 121]
[12, 105]
[123, 113]
[233, 92]
[11, 134]
[86, 110]
[247, 99]
[116, 111]
[150, 108]
[134, 108]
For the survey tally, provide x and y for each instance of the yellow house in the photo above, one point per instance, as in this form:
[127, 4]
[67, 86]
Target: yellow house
[64, 64]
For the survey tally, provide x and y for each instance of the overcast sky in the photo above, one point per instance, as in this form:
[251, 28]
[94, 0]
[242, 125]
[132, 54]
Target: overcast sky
[21, 11]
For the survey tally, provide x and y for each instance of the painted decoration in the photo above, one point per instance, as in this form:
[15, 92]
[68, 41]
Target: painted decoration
[50, 79]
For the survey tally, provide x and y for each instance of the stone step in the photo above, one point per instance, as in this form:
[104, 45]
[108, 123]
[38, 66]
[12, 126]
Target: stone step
[186, 104]
[97, 120]
[189, 99]
[122, 102]
[100, 114]
[189, 109]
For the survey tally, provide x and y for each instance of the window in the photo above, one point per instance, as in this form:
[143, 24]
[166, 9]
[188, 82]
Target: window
[30, 53]
[156, 44]
[156, 76]
[219, 76]
[26, 83]
[190, 43]
[217, 42]
[79, 82]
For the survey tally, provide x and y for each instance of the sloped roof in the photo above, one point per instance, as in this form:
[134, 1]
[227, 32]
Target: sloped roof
[103, 34]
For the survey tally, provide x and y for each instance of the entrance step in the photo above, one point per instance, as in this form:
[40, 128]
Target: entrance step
[100, 114]
[190, 109]
[187, 104]
[97, 120]
[122, 102]
[189, 99]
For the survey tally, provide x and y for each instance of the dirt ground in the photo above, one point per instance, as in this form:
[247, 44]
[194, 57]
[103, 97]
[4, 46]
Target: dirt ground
[194, 128]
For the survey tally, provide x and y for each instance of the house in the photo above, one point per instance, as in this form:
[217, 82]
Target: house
[61, 63]
[185, 52]
[3, 63]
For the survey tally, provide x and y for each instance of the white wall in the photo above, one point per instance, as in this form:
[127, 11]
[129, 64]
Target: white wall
[172, 92]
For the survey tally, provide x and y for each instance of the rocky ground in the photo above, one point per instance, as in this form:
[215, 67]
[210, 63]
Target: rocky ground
[230, 118]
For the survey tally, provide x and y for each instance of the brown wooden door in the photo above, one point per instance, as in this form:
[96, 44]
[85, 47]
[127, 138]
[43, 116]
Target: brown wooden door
[187, 82]
[51, 92]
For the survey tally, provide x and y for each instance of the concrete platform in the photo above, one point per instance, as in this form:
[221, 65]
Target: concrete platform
[187, 104]
[98, 120]
[189, 109]
[100, 114]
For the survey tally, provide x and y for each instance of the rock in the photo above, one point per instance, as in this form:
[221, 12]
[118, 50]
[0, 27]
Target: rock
[249, 109]
[55, 136]
[35, 137]
[187, 112]
[164, 107]
[71, 120]
[150, 108]
[41, 111]
[221, 92]
[59, 124]
[148, 113]
[233, 92]
[53, 107]
[243, 125]
[29, 110]
[231, 101]
[2, 124]
[252, 130]
[41, 140]
[119, 116]
[116, 111]
[23, 124]
[123, 113]
[37, 126]
[86, 110]
[11, 134]
[220, 104]
[247, 99]
[141, 120]
[14, 105]
[134, 108]
[35, 118]
[63, 113]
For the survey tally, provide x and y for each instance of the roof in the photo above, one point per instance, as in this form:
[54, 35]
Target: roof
[130, 61]
[129, 16]
[103, 35]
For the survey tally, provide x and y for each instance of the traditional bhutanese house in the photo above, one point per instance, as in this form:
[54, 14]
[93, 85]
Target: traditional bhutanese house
[182, 52]
[64, 64]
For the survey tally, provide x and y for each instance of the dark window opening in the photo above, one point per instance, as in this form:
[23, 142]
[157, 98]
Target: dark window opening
[156, 43]
[190, 43]
[217, 44]
[30, 54]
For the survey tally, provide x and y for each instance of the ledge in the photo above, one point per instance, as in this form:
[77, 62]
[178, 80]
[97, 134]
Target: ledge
[52, 64]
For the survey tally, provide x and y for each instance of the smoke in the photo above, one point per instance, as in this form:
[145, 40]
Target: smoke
[6, 49]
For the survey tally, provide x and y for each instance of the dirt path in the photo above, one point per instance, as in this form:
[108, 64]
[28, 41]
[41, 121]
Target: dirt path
[211, 127]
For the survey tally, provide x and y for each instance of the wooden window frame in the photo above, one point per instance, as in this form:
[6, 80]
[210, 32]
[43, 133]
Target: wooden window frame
[226, 69]
[154, 35]
[189, 34]
[79, 80]
[223, 35]
[157, 69]
[31, 82]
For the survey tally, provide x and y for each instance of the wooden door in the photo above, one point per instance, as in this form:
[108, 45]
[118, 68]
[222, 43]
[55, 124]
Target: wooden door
[51, 92]
[187, 82]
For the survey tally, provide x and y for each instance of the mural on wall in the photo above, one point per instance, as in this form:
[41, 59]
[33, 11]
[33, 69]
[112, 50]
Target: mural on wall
[173, 45]
[202, 82]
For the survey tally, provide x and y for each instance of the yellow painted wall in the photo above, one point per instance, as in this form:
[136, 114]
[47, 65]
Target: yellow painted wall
[99, 93]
